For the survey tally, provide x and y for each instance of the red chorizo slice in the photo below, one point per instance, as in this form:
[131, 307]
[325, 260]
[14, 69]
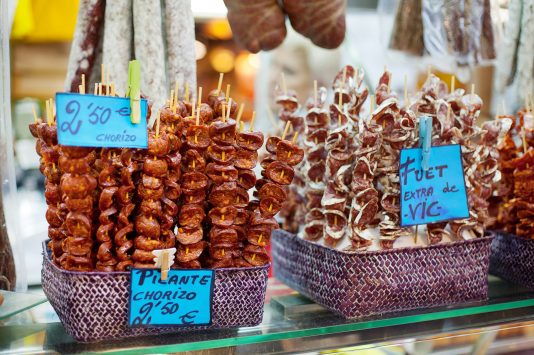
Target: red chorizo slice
[53, 216]
[104, 217]
[256, 219]
[150, 207]
[150, 194]
[71, 165]
[189, 236]
[77, 263]
[173, 191]
[249, 140]
[245, 159]
[193, 264]
[77, 246]
[151, 182]
[316, 120]
[272, 190]
[103, 232]
[56, 233]
[255, 255]
[169, 207]
[246, 178]
[242, 197]
[168, 116]
[194, 181]
[125, 212]
[191, 216]
[34, 128]
[313, 230]
[221, 154]
[175, 142]
[289, 153]
[240, 262]
[280, 173]
[198, 137]
[52, 174]
[206, 113]
[158, 145]
[266, 161]
[223, 263]
[126, 174]
[193, 161]
[259, 235]
[143, 256]
[121, 239]
[215, 95]
[155, 167]
[106, 177]
[106, 198]
[193, 196]
[147, 226]
[223, 235]
[174, 159]
[52, 194]
[144, 243]
[272, 144]
[223, 194]
[224, 252]
[190, 252]
[270, 206]
[75, 152]
[166, 222]
[241, 232]
[222, 133]
[242, 217]
[124, 194]
[78, 224]
[221, 173]
[223, 216]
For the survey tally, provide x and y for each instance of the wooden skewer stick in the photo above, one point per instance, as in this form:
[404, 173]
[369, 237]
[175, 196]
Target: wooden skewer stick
[406, 91]
[224, 113]
[199, 99]
[96, 88]
[112, 89]
[186, 92]
[315, 93]
[34, 114]
[102, 74]
[107, 83]
[286, 129]
[53, 110]
[389, 82]
[252, 121]
[472, 89]
[229, 109]
[524, 139]
[239, 114]
[227, 94]
[242, 125]
[48, 119]
[416, 232]
[171, 100]
[157, 123]
[284, 86]
[198, 117]
[80, 89]
[83, 84]
[219, 85]
[100, 89]
[372, 103]
[295, 138]
[453, 83]
[340, 100]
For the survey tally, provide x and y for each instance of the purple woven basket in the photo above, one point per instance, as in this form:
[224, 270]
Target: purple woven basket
[512, 259]
[93, 306]
[360, 284]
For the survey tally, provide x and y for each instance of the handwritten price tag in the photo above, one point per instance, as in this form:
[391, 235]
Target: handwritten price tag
[437, 194]
[183, 299]
[99, 121]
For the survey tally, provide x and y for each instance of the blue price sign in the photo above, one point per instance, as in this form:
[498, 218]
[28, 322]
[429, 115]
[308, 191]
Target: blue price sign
[437, 194]
[99, 121]
[183, 299]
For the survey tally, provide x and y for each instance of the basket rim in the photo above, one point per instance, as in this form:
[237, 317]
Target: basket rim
[455, 244]
[121, 273]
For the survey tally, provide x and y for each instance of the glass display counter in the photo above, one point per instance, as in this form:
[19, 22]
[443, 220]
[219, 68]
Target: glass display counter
[291, 324]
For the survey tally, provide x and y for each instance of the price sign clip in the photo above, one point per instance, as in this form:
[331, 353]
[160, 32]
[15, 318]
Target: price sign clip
[164, 259]
[134, 90]
[425, 139]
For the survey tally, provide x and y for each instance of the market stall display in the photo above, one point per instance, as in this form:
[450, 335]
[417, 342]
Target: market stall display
[513, 208]
[357, 226]
[113, 210]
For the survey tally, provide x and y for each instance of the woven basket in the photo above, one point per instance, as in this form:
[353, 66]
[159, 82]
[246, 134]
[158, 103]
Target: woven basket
[512, 259]
[93, 306]
[360, 284]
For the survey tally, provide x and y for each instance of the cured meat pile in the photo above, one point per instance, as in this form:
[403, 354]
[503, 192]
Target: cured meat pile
[514, 206]
[110, 209]
[360, 206]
